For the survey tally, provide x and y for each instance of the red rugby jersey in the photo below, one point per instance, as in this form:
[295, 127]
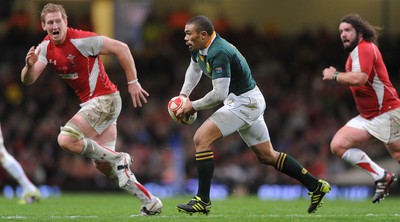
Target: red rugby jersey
[378, 95]
[77, 61]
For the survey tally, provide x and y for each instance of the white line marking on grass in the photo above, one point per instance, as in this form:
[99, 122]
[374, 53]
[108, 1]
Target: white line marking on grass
[155, 216]
[320, 215]
[13, 217]
[52, 217]
[383, 215]
[73, 216]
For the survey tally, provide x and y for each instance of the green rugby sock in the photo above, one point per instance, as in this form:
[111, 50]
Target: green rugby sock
[205, 170]
[291, 167]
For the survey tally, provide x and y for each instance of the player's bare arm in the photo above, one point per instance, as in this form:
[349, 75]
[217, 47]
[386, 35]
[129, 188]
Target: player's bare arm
[125, 58]
[346, 78]
[32, 68]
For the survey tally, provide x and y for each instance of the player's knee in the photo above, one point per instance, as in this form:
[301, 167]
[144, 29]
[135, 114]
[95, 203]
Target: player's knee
[336, 148]
[63, 142]
[204, 137]
[71, 130]
[68, 137]
[197, 139]
[200, 143]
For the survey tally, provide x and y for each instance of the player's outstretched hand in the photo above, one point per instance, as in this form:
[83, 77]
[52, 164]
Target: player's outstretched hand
[31, 57]
[138, 94]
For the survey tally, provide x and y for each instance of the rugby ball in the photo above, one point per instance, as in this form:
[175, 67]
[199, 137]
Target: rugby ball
[176, 104]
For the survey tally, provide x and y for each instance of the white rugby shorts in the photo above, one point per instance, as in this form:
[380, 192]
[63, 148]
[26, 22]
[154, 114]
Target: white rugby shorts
[385, 127]
[244, 114]
[102, 111]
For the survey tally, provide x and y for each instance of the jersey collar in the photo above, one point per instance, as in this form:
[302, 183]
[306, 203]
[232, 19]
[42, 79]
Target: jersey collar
[204, 52]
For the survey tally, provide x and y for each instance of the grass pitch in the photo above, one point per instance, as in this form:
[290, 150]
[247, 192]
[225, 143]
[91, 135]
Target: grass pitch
[120, 207]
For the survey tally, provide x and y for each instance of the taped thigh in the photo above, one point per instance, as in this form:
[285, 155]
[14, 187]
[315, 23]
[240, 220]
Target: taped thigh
[71, 130]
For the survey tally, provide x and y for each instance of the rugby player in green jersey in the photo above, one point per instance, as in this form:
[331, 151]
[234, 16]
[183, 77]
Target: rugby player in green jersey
[242, 111]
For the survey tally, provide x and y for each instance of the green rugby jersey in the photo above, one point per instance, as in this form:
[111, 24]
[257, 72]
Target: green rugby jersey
[223, 60]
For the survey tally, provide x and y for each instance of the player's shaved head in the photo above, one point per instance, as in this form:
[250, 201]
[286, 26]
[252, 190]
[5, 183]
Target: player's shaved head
[202, 23]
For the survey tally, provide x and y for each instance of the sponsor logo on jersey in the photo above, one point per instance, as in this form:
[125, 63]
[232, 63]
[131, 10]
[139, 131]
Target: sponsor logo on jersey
[218, 70]
[69, 75]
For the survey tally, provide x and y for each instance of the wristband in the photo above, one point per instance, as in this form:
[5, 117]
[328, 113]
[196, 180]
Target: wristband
[335, 76]
[133, 81]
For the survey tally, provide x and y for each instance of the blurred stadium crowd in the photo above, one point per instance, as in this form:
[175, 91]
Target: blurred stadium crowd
[303, 112]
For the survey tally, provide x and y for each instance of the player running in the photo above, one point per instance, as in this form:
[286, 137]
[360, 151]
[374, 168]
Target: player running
[242, 111]
[376, 99]
[92, 131]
